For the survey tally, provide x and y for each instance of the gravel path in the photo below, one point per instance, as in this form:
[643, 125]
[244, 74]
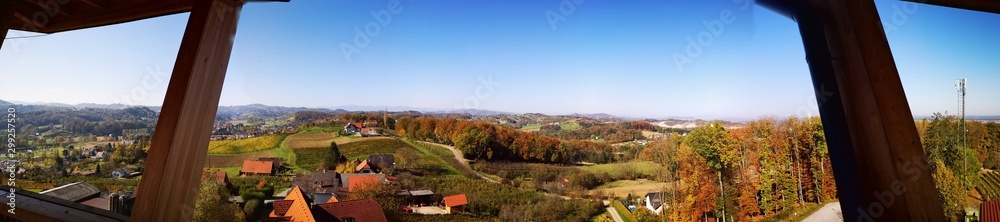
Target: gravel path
[828, 213]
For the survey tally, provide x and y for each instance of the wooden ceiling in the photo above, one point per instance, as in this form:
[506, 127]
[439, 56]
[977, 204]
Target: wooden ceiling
[51, 16]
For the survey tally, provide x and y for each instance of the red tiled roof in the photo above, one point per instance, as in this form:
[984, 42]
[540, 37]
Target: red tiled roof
[97, 202]
[989, 211]
[358, 125]
[221, 176]
[455, 200]
[299, 211]
[281, 207]
[361, 182]
[361, 210]
[256, 166]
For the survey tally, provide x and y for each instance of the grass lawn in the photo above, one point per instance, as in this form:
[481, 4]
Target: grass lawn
[640, 187]
[247, 145]
[614, 169]
[603, 217]
[231, 171]
[569, 126]
[531, 127]
[442, 156]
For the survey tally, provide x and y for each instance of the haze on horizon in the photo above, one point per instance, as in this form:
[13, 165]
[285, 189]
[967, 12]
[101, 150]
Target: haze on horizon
[601, 57]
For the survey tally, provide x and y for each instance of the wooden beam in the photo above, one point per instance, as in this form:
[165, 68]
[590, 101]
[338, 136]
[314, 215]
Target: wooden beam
[179, 147]
[991, 6]
[94, 3]
[47, 7]
[879, 163]
[119, 12]
[6, 15]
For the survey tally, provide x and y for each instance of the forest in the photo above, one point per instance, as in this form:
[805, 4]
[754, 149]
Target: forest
[486, 141]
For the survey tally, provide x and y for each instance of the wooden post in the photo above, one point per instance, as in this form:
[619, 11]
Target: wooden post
[178, 149]
[879, 163]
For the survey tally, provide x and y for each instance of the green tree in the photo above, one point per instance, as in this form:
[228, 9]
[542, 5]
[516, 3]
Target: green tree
[715, 144]
[212, 204]
[474, 144]
[60, 164]
[332, 158]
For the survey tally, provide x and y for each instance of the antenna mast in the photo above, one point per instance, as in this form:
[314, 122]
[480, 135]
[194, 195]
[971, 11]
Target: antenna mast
[960, 88]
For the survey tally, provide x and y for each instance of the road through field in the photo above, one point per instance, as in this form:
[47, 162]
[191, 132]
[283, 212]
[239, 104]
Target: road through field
[614, 214]
[461, 159]
[829, 213]
[465, 164]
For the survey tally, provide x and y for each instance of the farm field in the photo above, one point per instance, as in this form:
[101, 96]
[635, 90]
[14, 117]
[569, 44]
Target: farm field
[309, 158]
[236, 160]
[562, 126]
[310, 140]
[990, 186]
[531, 127]
[615, 169]
[569, 126]
[622, 188]
[370, 145]
[245, 145]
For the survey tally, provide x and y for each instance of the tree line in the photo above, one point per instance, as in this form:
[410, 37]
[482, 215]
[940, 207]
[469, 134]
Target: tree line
[487, 141]
[745, 174]
[606, 132]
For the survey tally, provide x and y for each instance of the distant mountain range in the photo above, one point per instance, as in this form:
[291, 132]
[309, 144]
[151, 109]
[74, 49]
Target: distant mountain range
[266, 111]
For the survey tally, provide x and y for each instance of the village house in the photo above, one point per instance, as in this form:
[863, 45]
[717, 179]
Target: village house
[298, 207]
[455, 203]
[77, 171]
[124, 172]
[654, 202]
[257, 167]
[320, 185]
[352, 127]
[364, 181]
[377, 163]
[366, 132]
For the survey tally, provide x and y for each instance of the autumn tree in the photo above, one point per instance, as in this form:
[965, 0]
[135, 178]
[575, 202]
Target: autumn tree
[212, 204]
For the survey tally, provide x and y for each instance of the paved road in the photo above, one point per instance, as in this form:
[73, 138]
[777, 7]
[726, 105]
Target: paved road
[614, 214]
[828, 213]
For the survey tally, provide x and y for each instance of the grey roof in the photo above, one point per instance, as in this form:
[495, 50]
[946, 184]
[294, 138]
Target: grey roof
[321, 197]
[379, 160]
[73, 191]
[421, 192]
[656, 199]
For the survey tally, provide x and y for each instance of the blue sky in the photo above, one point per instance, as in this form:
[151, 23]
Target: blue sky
[599, 56]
